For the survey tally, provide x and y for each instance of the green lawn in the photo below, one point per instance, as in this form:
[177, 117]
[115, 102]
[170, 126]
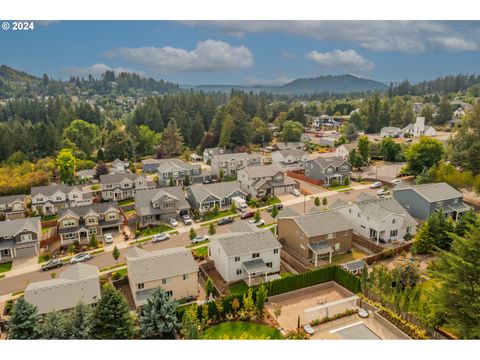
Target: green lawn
[202, 251]
[4, 267]
[346, 257]
[50, 217]
[241, 329]
[197, 244]
[126, 202]
[130, 212]
[221, 214]
[339, 188]
[238, 288]
[155, 230]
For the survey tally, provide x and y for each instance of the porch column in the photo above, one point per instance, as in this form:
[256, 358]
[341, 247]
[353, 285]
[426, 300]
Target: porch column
[266, 276]
[378, 237]
[249, 279]
[316, 259]
[330, 257]
[456, 215]
[14, 252]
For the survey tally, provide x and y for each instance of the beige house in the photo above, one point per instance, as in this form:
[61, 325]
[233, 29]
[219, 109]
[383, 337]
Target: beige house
[174, 270]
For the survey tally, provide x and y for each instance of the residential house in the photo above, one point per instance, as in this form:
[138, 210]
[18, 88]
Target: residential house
[174, 270]
[422, 200]
[204, 197]
[354, 267]
[155, 206]
[245, 254]
[209, 153]
[118, 166]
[328, 170]
[380, 220]
[344, 150]
[48, 200]
[288, 146]
[315, 235]
[122, 186]
[177, 171]
[151, 165]
[230, 163]
[79, 283]
[290, 158]
[391, 131]
[419, 128]
[86, 175]
[79, 223]
[19, 238]
[13, 207]
[265, 181]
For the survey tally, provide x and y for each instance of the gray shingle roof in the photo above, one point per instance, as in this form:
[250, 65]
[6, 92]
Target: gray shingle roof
[325, 162]
[234, 156]
[259, 171]
[220, 190]
[144, 198]
[168, 165]
[354, 265]
[381, 208]
[294, 152]
[13, 227]
[12, 198]
[432, 192]
[146, 266]
[78, 283]
[287, 212]
[240, 243]
[321, 223]
[289, 145]
[49, 190]
[81, 211]
[117, 178]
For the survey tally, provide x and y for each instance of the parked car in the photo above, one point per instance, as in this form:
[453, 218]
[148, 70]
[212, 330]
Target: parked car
[247, 215]
[279, 207]
[225, 221]
[108, 238]
[382, 192]
[52, 264]
[295, 192]
[257, 223]
[199, 238]
[309, 329]
[396, 181]
[187, 220]
[376, 185]
[172, 222]
[160, 237]
[80, 257]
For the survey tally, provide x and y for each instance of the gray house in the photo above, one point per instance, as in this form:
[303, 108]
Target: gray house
[12, 207]
[211, 152]
[204, 197]
[328, 170]
[422, 200]
[177, 171]
[157, 205]
[230, 163]
[49, 199]
[122, 186]
[19, 237]
[265, 181]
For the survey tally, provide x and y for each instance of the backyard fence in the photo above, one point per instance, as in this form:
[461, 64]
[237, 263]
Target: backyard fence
[299, 176]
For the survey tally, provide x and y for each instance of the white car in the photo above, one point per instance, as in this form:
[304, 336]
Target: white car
[376, 185]
[108, 238]
[295, 192]
[396, 181]
[172, 222]
[80, 257]
[199, 238]
[308, 329]
[160, 237]
[382, 192]
[187, 220]
[259, 223]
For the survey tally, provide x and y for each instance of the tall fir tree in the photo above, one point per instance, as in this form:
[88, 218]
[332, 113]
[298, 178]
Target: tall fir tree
[23, 323]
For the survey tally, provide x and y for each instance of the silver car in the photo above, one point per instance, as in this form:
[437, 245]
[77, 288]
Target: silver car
[80, 257]
[160, 237]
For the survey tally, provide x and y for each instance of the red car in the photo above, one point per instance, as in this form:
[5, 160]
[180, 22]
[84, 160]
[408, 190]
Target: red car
[248, 214]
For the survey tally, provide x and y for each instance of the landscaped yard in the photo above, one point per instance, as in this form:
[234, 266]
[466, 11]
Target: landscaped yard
[346, 257]
[238, 288]
[209, 217]
[4, 267]
[241, 329]
[155, 230]
[200, 252]
[339, 188]
[126, 202]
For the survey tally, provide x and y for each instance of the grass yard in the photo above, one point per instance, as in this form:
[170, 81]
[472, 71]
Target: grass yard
[346, 257]
[50, 217]
[339, 188]
[197, 244]
[202, 251]
[238, 288]
[130, 212]
[221, 214]
[241, 330]
[4, 267]
[126, 202]
[155, 230]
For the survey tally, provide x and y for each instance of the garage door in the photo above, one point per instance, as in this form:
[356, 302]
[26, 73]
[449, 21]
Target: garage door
[26, 251]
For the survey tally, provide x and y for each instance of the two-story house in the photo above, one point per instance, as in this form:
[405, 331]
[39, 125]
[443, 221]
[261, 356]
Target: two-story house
[265, 181]
[230, 163]
[19, 238]
[48, 200]
[118, 166]
[176, 171]
[245, 254]
[344, 150]
[13, 207]
[79, 223]
[290, 158]
[422, 200]
[288, 145]
[211, 152]
[204, 197]
[315, 235]
[174, 270]
[380, 220]
[157, 205]
[328, 170]
[122, 186]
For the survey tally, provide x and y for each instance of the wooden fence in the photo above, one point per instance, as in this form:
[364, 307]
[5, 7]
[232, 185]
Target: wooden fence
[366, 243]
[204, 277]
[293, 262]
[50, 240]
[296, 175]
[386, 253]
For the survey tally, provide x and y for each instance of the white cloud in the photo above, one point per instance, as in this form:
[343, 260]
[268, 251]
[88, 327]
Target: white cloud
[401, 36]
[279, 80]
[289, 55]
[341, 59]
[209, 55]
[96, 70]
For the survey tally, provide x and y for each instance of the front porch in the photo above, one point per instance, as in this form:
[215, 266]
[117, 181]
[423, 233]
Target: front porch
[335, 179]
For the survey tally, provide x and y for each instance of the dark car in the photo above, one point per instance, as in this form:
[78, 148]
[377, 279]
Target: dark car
[248, 214]
[225, 221]
[279, 207]
[52, 264]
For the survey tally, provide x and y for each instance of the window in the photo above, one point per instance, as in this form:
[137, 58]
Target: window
[409, 230]
[5, 252]
[185, 276]
[39, 199]
[345, 232]
[140, 286]
[275, 251]
[58, 198]
[111, 216]
[255, 255]
[140, 183]
[67, 223]
[110, 186]
[455, 201]
[269, 264]
[92, 230]
[70, 236]
[170, 293]
[91, 220]
[394, 233]
[337, 246]
[165, 281]
[330, 236]
[239, 271]
[237, 258]
[393, 221]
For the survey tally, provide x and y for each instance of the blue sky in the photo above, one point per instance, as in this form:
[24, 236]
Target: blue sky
[246, 52]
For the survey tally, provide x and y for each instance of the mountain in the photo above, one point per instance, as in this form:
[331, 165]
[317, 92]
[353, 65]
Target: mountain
[334, 84]
[10, 74]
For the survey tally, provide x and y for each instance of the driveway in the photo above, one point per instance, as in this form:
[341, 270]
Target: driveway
[381, 170]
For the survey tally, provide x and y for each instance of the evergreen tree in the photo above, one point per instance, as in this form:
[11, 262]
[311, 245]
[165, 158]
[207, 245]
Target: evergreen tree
[211, 229]
[192, 233]
[317, 201]
[112, 319]
[444, 112]
[115, 253]
[23, 321]
[80, 323]
[466, 222]
[274, 211]
[190, 323]
[423, 242]
[364, 149]
[118, 145]
[172, 139]
[261, 296]
[54, 326]
[257, 216]
[158, 316]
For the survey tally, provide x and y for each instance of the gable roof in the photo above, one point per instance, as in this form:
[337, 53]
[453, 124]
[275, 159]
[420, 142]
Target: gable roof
[49, 190]
[81, 211]
[289, 145]
[381, 208]
[117, 178]
[293, 152]
[234, 156]
[15, 226]
[259, 171]
[325, 162]
[240, 243]
[144, 266]
[12, 198]
[217, 151]
[350, 146]
[321, 223]
[432, 192]
[145, 198]
[219, 190]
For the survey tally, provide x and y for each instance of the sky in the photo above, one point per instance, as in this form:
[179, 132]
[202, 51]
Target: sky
[246, 52]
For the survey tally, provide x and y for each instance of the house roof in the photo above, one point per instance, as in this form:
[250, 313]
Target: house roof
[49, 190]
[144, 199]
[338, 203]
[169, 165]
[350, 146]
[432, 192]
[81, 211]
[259, 171]
[287, 212]
[321, 223]
[117, 178]
[12, 198]
[234, 156]
[289, 145]
[13, 227]
[240, 243]
[293, 152]
[381, 208]
[219, 190]
[325, 162]
[144, 266]
[354, 265]
[217, 151]
[78, 283]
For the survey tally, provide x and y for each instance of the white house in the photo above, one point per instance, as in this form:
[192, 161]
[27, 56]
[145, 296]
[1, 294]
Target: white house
[50, 199]
[289, 157]
[419, 128]
[244, 253]
[344, 150]
[391, 131]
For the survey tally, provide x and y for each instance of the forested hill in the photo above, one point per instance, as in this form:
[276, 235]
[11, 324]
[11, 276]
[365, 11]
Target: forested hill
[332, 84]
[441, 85]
